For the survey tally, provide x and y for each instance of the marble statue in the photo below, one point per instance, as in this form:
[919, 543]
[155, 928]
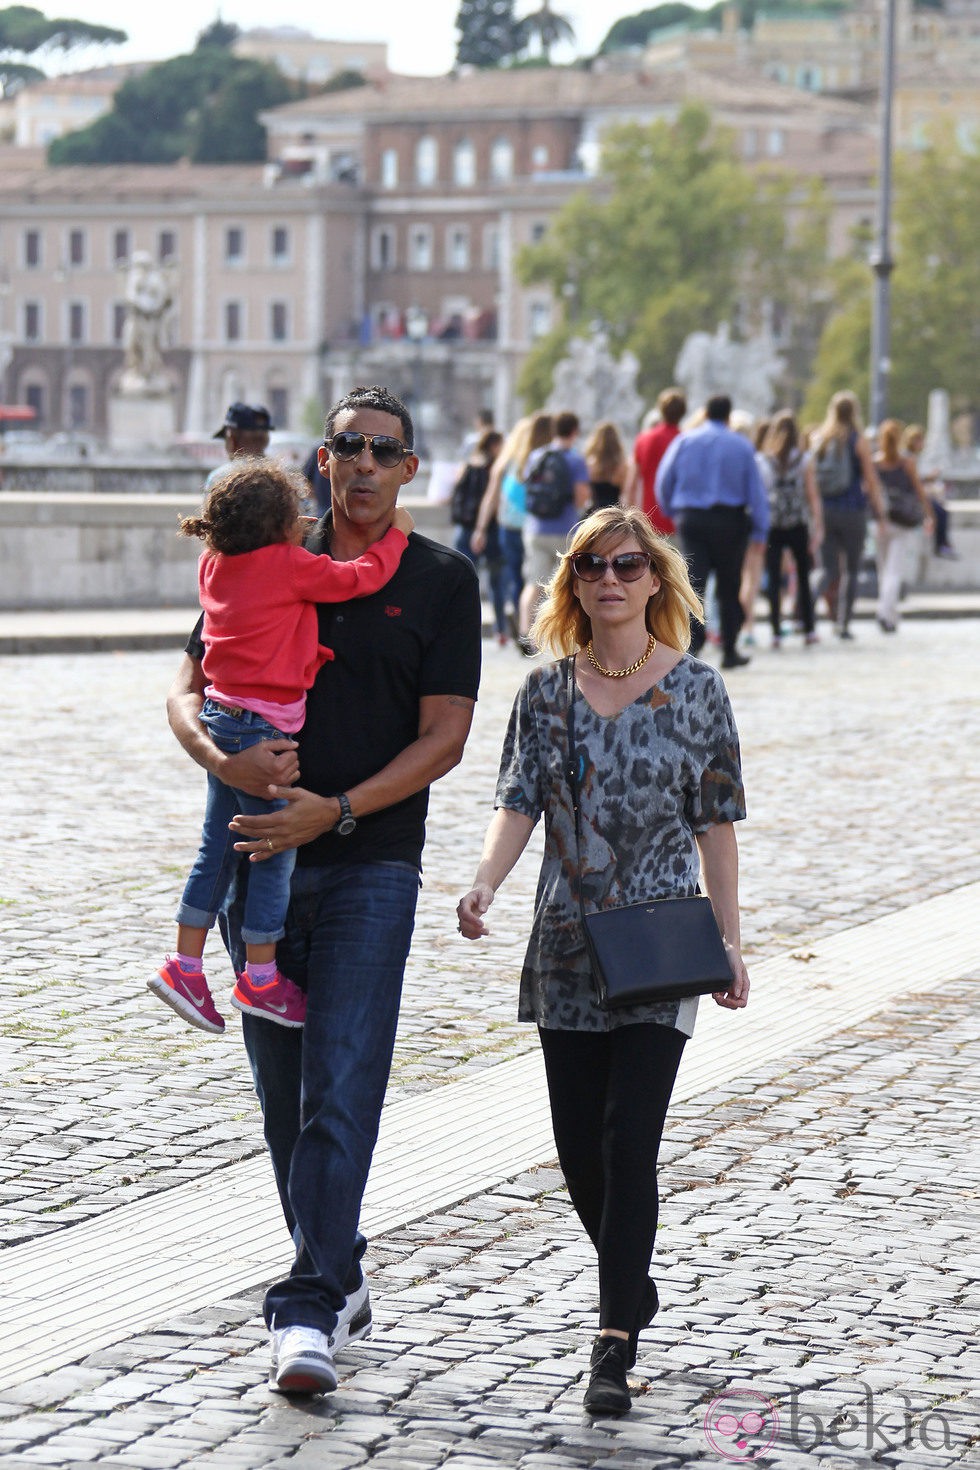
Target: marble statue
[747, 371]
[149, 299]
[596, 385]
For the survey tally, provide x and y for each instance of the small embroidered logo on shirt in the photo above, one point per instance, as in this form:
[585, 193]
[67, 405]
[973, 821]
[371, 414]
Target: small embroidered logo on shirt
[392, 612]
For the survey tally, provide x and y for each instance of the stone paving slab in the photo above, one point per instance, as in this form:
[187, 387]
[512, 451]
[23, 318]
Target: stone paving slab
[850, 1309]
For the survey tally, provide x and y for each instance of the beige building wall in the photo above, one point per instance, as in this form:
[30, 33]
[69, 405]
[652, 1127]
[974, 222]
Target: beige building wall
[305, 57]
[385, 229]
[260, 278]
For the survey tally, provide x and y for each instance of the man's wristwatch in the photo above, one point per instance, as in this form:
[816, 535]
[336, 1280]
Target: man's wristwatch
[347, 821]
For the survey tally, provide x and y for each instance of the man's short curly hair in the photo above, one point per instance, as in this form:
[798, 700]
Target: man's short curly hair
[378, 398]
[253, 503]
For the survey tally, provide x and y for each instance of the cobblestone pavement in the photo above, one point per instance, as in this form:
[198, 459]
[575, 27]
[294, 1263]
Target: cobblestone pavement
[817, 1260]
[860, 803]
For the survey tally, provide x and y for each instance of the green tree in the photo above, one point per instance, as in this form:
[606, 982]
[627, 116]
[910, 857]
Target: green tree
[486, 32]
[935, 291]
[675, 236]
[203, 106]
[222, 33]
[344, 80]
[634, 30]
[545, 27]
[25, 31]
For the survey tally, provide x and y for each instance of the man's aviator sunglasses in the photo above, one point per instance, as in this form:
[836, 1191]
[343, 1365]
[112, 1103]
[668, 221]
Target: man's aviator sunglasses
[628, 567]
[387, 450]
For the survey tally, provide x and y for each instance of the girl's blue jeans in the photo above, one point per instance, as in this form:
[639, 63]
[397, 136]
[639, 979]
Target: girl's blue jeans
[268, 887]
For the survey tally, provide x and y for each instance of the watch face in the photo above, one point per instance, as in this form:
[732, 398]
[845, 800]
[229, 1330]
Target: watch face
[346, 826]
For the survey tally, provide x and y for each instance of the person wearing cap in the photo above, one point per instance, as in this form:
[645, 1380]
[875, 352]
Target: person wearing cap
[245, 430]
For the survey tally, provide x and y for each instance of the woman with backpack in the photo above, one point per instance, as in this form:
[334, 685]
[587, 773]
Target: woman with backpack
[796, 519]
[467, 498]
[505, 499]
[847, 481]
[908, 509]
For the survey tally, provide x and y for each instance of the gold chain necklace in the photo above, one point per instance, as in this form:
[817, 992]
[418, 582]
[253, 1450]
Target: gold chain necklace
[620, 673]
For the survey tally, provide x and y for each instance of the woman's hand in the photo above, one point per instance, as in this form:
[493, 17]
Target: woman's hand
[305, 816]
[470, 910]
[478, 543]
[736, 997]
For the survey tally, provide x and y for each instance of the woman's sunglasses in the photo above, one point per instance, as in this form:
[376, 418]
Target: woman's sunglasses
[387, 450]
[628, 567]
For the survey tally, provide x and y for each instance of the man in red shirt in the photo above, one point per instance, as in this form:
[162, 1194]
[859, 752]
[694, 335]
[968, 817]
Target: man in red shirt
[649, 450]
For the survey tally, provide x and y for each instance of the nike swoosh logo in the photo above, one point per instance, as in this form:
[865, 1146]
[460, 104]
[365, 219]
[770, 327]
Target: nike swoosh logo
[281, 1010]
[194, 1000]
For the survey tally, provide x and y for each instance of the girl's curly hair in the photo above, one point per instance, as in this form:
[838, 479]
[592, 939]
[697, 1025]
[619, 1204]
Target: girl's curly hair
[254, 503]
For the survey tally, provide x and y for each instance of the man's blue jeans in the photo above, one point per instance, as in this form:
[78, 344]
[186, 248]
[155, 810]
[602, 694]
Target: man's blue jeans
[217, 860]
[347, 938]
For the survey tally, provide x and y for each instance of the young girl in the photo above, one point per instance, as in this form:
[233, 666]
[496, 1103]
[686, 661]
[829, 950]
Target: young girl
[259, 589]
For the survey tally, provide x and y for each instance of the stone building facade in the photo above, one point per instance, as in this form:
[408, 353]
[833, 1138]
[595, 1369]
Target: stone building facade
[379, 240]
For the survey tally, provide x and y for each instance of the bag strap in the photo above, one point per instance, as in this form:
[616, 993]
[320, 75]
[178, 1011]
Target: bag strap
[571, 772]
[571, 776]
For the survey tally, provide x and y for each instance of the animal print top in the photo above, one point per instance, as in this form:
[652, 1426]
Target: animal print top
[663, 769]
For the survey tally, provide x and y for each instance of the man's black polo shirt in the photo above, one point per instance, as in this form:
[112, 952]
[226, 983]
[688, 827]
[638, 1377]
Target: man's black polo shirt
[420, 635]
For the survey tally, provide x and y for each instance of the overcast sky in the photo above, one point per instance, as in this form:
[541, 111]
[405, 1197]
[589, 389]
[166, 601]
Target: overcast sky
[425, 44]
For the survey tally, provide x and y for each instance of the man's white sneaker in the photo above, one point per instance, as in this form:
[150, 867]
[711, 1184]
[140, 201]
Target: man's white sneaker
[302, 1361]
[353, 1319]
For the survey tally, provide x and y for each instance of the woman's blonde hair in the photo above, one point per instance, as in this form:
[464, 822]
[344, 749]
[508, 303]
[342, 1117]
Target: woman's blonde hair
[843, 417]
[527, 435]
[890, 439]
[604, 452]
[562, 625]
[914, 435]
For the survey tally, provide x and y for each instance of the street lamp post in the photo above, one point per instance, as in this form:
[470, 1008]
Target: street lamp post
[417, 328]
[881, 261]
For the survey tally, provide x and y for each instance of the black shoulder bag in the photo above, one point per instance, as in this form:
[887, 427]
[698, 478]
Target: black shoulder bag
[664, 949]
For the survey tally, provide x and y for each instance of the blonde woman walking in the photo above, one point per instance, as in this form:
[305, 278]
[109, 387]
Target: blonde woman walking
[847, 481]
[659, 790]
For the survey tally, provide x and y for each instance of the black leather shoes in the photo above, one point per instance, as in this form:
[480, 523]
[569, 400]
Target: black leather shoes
[645, 1313]
[608, 1392]
[735, 661]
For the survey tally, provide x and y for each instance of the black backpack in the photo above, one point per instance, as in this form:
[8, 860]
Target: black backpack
[550, 487]
[467, 494]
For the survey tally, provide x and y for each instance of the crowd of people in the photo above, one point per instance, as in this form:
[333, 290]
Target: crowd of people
[759, 508]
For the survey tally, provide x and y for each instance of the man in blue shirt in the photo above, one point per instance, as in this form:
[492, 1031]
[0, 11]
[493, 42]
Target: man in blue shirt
[709, 483]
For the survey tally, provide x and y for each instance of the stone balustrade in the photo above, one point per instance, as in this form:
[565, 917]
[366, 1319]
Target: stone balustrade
[101, 549]
[60, 550]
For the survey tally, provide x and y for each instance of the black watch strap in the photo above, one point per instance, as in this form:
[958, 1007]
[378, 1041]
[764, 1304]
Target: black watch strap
[348, 821]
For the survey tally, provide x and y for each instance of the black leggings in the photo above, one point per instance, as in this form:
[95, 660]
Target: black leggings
[609, 1092]
[797, 540]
